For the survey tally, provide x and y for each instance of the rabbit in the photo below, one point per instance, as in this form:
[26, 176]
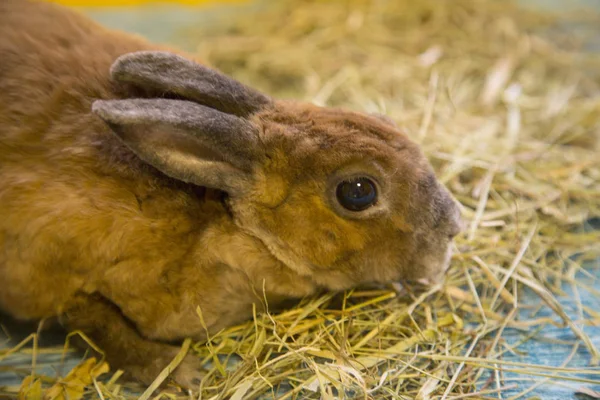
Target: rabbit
[141, 187]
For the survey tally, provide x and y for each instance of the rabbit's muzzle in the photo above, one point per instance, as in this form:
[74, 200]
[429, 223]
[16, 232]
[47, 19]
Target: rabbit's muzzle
[432, 259]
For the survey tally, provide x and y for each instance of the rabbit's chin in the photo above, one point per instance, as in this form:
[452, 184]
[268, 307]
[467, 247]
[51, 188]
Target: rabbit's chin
[433, 268]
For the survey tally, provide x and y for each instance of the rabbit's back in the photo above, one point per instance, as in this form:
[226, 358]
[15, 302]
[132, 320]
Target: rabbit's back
[54, 61]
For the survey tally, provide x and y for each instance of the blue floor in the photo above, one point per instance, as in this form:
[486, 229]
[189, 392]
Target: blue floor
[552, 345]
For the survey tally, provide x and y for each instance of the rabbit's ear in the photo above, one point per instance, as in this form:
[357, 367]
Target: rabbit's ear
[184, 140]
[165, 73]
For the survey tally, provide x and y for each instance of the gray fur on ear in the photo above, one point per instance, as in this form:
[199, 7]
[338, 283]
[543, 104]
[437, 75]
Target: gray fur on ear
[184, 140]
[170, 73]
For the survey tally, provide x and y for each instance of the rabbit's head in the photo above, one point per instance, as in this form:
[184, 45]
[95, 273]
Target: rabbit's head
[340, 197]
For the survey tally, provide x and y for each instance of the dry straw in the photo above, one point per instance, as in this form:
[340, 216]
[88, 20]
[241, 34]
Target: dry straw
[507, 108]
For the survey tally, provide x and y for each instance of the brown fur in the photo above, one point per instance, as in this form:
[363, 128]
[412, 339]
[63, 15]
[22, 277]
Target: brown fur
[92, 234]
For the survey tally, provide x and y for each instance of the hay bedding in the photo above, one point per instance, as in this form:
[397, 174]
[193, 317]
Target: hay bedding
[511, 122]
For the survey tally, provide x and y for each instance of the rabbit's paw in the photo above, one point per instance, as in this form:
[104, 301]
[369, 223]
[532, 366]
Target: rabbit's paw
[189, 373]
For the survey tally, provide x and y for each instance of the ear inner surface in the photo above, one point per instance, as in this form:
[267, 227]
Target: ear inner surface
[185, 166]
[234, 138]
[184, 140]
[170, 73]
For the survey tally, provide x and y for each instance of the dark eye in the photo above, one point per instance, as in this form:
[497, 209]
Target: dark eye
[357, 194]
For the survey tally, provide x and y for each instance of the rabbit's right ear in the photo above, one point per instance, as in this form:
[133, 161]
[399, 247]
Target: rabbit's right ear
[185, 140]
[165, 73]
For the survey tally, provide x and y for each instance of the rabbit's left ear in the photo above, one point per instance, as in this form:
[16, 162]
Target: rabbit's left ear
[185, 140]
[166, 74]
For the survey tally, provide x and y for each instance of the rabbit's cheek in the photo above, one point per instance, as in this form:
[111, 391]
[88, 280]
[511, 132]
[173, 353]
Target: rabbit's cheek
[303, 234]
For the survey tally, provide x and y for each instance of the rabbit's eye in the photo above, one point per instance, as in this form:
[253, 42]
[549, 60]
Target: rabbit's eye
[357, 194]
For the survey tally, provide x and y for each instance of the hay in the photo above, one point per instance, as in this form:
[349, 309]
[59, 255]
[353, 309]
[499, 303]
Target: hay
[510, 121]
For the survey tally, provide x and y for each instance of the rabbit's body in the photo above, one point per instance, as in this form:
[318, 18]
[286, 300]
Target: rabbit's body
[79, 214]
[126, 245]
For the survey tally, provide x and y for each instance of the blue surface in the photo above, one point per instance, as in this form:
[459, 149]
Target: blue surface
[161, 23]
[552, 346]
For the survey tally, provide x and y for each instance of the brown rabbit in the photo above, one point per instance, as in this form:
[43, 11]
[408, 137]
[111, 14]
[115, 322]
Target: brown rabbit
[138, 185]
